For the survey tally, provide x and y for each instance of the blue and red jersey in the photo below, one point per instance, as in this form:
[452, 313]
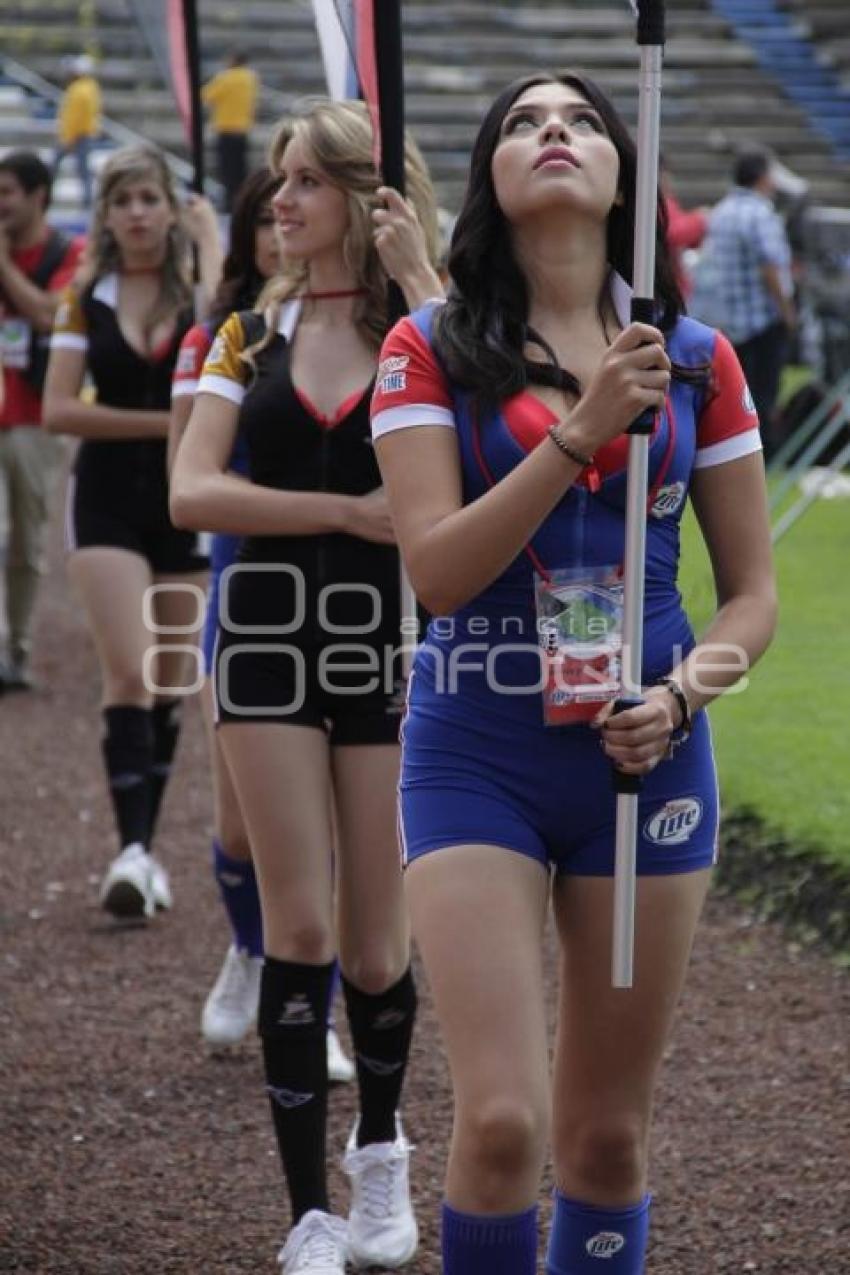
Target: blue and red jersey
[704, 424]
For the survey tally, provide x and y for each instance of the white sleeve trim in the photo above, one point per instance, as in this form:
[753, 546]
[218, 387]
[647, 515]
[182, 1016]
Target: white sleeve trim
[69, 341]
[184, 388]
[394, 418]
[222, 387]
[729, 449]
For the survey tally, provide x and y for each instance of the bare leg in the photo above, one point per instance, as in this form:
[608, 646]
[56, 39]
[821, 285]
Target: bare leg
[227, 814]
[478, 914]
[610, 1041]
[282, 778]
[374, 938]
[111, 584]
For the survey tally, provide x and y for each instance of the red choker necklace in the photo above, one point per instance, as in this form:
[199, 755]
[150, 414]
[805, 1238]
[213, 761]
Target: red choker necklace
[331, 296]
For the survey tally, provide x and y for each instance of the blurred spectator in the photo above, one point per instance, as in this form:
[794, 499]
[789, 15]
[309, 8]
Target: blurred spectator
[232, 97]
[686, 228]
[748, 258]
[35, 263]
[78, 122]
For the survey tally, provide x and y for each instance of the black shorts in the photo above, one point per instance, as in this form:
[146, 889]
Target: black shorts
[291, 683]
[140, 526]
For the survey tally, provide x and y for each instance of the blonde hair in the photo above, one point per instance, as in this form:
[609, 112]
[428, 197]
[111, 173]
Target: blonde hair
[103, 256]
[340, 136]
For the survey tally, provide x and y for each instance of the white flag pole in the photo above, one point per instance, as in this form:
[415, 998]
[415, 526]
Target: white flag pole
[650, 38]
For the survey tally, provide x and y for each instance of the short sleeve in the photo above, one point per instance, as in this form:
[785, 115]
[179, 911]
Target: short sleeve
[191, 356]
[728, 427]
[70, 330]
[410, 388]
[224, 373]
[70, 264]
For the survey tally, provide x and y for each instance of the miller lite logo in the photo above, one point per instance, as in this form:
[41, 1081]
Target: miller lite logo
[605, 1244]
[675, 822]
[668, 500]
[747, 400]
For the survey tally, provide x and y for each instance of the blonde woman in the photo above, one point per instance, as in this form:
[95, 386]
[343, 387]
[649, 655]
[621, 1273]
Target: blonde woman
[122, 323]
[308, 692]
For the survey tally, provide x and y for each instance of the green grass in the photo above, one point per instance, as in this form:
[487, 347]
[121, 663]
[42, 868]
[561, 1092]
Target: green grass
[783, 745]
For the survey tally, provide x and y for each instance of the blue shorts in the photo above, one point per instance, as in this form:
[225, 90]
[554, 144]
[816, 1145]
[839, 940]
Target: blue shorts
[485, 770]
[223, 554]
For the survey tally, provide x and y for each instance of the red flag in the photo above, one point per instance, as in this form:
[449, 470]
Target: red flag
[367, 68]
[179, 63]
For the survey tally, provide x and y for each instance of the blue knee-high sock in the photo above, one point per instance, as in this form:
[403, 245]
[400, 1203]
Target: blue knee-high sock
[582, 1234]
[238, 886]
[334, 989]
[488, 1245]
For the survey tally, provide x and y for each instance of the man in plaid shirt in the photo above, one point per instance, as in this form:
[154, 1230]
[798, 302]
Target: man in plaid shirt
[751, 268]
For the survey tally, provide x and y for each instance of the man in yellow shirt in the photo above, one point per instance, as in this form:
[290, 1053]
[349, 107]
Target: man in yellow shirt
[232, 97]
[78, 123]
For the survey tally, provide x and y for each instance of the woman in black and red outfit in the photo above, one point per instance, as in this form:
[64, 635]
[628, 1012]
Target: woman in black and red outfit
[137, 576]
[308, 691]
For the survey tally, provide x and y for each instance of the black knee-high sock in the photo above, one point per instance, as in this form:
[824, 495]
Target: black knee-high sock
[128, 754]
[166, 719]
[292, 1024]
[381, 1032]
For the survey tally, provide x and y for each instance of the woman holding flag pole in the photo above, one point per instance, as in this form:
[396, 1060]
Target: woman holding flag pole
[309, 613]
[504, 461]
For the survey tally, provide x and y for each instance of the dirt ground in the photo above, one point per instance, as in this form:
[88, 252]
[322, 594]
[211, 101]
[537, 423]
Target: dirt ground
[127, 1148]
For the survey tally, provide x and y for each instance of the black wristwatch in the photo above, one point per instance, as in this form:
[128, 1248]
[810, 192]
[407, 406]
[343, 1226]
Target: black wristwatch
[683, 730]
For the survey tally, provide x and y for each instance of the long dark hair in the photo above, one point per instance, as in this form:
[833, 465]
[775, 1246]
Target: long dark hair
[481, 332]
[241, 282]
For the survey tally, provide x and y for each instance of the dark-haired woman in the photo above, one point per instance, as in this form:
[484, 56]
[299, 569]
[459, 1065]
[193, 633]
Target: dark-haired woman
[307, 671]
[503, 457]
[136, 574]
[231, 1008]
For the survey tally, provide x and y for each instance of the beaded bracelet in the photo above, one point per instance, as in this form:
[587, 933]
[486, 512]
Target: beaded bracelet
[575, 456]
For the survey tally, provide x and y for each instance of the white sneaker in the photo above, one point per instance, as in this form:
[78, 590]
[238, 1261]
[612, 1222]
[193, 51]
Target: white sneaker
[127, 888]
[316, 1245]
[161, 886]
[382, 1230]
[340, 1068]
[231, 1007]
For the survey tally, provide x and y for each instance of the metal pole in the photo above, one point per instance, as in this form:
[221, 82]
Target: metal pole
[650, 36]
[810, 425]
[786, 522]
[810, 454]
[389, 57]
[193, 65]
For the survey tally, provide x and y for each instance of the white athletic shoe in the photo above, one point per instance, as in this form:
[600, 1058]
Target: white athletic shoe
[382, 1230]
[161, 886]
[127, 889]
[231, 1007]
[340, 1068]
[316, 1245]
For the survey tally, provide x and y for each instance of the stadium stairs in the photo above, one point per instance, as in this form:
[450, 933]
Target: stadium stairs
[718, 90]
[784, 44]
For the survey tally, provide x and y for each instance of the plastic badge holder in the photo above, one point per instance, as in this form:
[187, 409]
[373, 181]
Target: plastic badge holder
[580, 628]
